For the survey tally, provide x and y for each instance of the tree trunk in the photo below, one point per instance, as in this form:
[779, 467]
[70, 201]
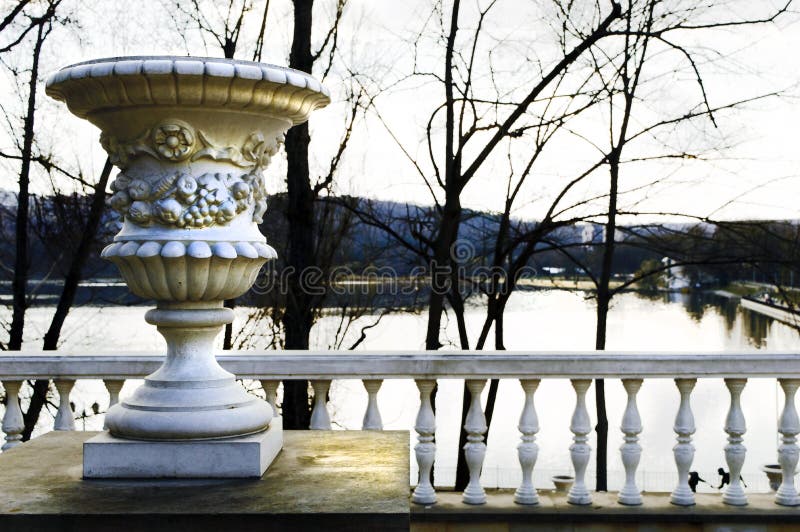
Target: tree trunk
[603, 301]
[67, 296]
[38, 399]
[298, 318]
[22, 261]
[494, 314]
[600, 400]
[441, 266]
[79, 259]
[227, 337]
[19, 282]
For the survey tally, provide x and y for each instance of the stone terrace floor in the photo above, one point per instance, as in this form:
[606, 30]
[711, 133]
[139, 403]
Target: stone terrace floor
[326, 480]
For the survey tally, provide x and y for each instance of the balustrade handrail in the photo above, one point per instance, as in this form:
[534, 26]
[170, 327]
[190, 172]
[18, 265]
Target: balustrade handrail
[417, 364]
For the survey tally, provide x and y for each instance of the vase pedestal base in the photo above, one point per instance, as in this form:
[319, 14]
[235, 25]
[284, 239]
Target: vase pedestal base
[106, 456]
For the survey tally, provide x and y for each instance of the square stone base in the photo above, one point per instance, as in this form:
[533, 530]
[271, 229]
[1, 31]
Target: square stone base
[106, 456]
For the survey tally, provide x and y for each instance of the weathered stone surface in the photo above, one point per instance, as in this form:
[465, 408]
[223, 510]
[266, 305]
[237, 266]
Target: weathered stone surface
[326, 480]
[105, 456]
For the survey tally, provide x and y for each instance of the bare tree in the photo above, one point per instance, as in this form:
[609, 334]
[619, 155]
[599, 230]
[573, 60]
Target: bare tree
[43, 26]
[475, 127]
[74, 274]
[20, 20]
[308, 248]
[302, 194]
[223, 24]
[647, 32]
[478, 124]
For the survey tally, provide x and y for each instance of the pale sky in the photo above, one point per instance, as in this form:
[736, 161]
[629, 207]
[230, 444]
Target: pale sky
[759, 174]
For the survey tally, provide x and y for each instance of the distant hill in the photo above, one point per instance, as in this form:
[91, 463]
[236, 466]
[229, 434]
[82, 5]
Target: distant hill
[56, 226]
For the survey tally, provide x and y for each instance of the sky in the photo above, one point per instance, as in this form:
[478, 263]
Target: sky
[756, 176]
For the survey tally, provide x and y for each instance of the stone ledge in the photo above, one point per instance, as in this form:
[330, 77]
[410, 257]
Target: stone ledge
[331, 480]
[553, 513]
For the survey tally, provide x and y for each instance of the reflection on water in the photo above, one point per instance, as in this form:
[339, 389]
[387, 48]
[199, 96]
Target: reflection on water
[756, 329]
[536, 320]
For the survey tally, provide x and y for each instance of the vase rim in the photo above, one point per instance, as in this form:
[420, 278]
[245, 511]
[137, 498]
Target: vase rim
[72, 83]
[203, 58]
[173, 58]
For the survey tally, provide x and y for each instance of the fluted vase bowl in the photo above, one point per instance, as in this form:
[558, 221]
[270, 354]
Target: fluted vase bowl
[191, 137]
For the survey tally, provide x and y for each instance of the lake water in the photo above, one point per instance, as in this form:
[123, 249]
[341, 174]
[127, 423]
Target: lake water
[535, 320]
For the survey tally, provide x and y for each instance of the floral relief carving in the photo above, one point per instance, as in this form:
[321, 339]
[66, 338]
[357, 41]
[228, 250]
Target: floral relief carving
[184, 201]
[256, 151]
[173, 141]
[181, 199]
[176, 141]
[120, 153]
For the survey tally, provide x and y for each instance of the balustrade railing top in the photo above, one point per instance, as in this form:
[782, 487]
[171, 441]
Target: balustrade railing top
[417, 364]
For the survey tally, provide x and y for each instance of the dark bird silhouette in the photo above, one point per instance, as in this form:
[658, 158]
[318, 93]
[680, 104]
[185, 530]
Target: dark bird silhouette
[694, 480]
[726, 478]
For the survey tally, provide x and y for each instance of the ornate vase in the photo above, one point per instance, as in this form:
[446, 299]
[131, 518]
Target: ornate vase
[563, 482]
[774, 475]
[191, 137]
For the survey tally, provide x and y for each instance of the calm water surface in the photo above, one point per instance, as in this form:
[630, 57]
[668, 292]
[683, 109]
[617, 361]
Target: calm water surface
[535, 320]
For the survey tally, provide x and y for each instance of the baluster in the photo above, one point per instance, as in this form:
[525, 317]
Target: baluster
[735, 452]
[13, 423]
[684, 427]
[475, 448]
[580, 450]
[113, 387]
[271, 391]
[788, 451]
[320, 420]
[631, 451]
[372, 417]
[425, 449]
[65, 418]
[528, 450]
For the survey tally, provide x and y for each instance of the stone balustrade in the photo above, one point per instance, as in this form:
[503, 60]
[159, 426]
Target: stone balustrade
[476, 368]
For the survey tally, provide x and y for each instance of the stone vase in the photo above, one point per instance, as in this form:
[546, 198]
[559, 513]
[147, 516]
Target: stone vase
[563, 482]
[191, 138]
[774, 475]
